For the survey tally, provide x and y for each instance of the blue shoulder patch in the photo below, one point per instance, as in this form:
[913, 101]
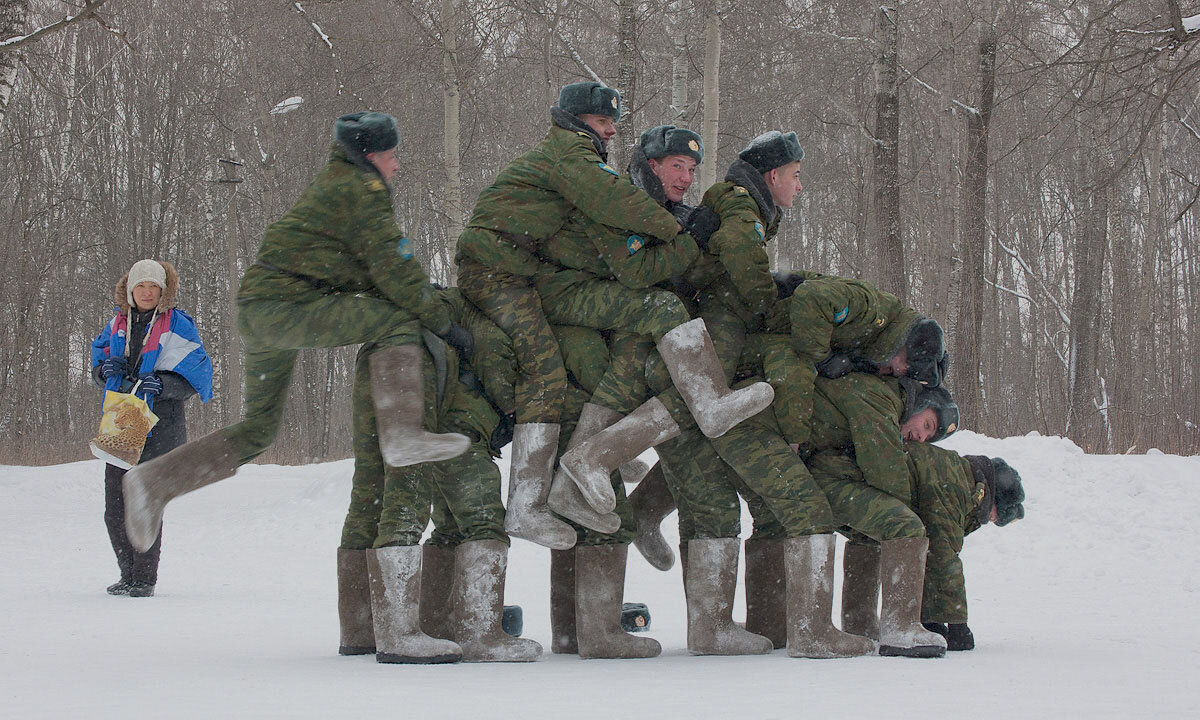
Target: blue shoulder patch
[635, 243]
[404, 247]
[758, 228]
[840, 316]
[607, 168]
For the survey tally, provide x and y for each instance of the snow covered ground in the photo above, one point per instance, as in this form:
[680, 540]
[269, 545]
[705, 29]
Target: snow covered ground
[1087, 608]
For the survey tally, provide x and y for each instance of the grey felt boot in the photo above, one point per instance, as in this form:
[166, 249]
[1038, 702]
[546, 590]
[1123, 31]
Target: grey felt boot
[148, 487]
[395, 574]
[527, 516]
[652, 502]
[710, 586]
[480, 567]
[399, 398]
[591, 463]
[354, 603]
[902, 572]
[696, 371]
[562, 603]
[437, 584]
[566, 498]
[808, 566]
[599, 593]
[860, 590]
[766, 591]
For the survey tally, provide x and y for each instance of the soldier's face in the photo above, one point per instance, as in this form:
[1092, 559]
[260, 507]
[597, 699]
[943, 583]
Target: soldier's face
[784, 182]
[676, 173]
[604, 126]
[920, 426]
[385, 163]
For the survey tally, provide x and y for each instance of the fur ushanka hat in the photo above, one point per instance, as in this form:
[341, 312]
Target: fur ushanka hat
[772, 149]
[590, 98]
[664, 140]
[367, 132]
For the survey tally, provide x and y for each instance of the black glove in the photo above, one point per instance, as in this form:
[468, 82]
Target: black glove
[503, 434]
[113, 367]
[786, 284]
[461, 339]
[959, 637]
[939, 628]
[701, 223]
[151, 384]
[835, 366]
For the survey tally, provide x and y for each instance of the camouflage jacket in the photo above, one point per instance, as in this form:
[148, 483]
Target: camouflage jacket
[946, 497]
[532, 197]
[859, 414]
[736, 268]
[341, 236]
[834, 314]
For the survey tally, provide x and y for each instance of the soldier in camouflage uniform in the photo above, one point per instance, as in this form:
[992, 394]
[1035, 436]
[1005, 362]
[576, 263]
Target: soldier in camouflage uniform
[334, 270]
[953, 495]
[840, 324]
[500, 254]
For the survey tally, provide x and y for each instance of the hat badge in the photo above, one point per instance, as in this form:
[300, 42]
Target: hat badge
[694, 146]
[951, 428]
[613, 100]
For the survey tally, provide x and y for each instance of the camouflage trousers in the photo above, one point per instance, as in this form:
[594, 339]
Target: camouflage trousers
[777, 479]
[511, 302]
[392, 506]
[859, 507]
[636, 318]
[705, 489]
[276, 330]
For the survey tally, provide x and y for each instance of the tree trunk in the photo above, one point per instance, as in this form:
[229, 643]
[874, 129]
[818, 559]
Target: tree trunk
[889, 247]
[969, 327]
[13, 14]
[679, 67]
[450, 136]
[712, 95]
[618, 147]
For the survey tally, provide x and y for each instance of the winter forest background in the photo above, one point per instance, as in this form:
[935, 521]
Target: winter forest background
[1027, 173]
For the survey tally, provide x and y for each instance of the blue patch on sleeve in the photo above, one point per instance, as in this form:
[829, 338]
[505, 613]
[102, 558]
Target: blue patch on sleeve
[840, 316]
[404, 247]
[758, 228]
[606, 168]
[635, 243]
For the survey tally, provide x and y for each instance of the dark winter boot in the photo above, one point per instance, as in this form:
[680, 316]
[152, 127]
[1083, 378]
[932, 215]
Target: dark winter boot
[479, 570]
[696, 371]
[148, 487]
[354, 603]
[120, 587]
[437, 585]
[766, 591]
[902, 571]
[592, 462]
[600, 586]
[562, 602]
[710, 586]
[141, 589]
[566, 498]
[652, 502]
[395, 575]
[399, 398]
[860, 590]
[808, 563]
[526, 515]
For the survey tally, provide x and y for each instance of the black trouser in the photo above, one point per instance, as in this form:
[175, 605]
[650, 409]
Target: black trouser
[136, 567]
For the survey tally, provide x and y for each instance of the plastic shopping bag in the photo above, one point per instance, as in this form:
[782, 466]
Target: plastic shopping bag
[126, 422]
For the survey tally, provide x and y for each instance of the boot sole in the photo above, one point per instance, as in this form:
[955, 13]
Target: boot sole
[919, 651]
[353, 650]
[412, 660]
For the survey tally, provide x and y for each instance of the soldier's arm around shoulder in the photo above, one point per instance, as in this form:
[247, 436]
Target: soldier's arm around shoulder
[599, 191]
[740, 246]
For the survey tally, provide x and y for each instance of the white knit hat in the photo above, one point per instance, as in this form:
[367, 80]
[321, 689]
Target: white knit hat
[145, 271]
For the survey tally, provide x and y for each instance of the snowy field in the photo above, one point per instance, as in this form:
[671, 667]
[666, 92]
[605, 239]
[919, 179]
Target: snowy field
[1087, 608]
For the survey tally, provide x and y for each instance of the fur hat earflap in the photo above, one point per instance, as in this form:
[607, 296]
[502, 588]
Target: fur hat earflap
[590, 98]
[159, 272]
[772, 149]
[367, 132]
[928, 360]
[664, 140]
